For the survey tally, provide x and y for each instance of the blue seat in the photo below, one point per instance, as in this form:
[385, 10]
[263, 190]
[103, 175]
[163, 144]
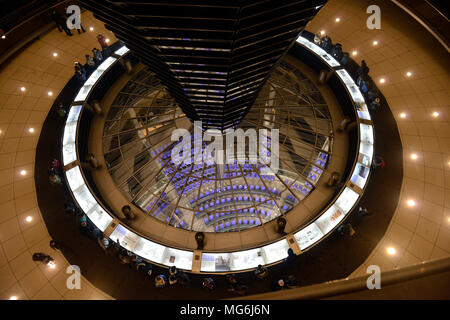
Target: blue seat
[245, 221]
[227, 224]
[221, 226]
[211, 217]
[239, 198]
[233, 222]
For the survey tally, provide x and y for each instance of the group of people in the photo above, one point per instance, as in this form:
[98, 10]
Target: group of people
[82, 71]
[370, 92]
[334, 50]
[61, 22]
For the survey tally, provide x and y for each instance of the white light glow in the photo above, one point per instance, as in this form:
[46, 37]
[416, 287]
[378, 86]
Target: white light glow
[55, 54]
[414, 156]
[322, 32]
[382, 80]
[391, 251]
[28, 219]
[354, 52]
[31, 130]
[338, 19]
[50, 93]
[435, 114]
[91, 28]
[375, 43]
[22, 89]
[23, 172]
[408, 74]
[403, 115]
[411, 203]
[13, 298]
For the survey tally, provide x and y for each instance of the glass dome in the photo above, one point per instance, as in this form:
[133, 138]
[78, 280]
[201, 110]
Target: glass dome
[212, 197]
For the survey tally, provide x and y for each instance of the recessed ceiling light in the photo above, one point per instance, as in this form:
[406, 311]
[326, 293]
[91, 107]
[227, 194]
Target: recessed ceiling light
[107, 40]
[414, 156]
[322, 32]
[3, 36]
[338, 19]
[50, 93]
[391, 251]
[55, 54]
[435, 114]
[28, 219]
[411, 203]
[31, 130]
[382, 80]
[375, 43]
[51, 265]
[354, 52]
[409, 74]
[13, 298]
[403, 115]
[91, 28]
[23, 172]
[22, 89]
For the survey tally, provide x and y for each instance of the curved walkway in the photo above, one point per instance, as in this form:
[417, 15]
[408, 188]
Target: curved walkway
[22, 228]
[329, 260]
[420, 232]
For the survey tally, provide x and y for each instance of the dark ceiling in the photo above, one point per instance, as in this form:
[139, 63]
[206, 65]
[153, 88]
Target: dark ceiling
[212, 56]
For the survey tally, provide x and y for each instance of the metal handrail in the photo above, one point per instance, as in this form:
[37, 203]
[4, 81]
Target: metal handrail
[344, 286]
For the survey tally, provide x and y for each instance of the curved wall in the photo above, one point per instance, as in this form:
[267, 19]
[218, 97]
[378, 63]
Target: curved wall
[420, 232]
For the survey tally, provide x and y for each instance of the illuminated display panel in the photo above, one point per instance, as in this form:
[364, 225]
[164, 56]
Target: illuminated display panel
[215, 262]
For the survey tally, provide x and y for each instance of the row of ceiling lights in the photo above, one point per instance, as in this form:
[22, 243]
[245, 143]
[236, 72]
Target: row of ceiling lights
[32, 130]
[411, 203]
